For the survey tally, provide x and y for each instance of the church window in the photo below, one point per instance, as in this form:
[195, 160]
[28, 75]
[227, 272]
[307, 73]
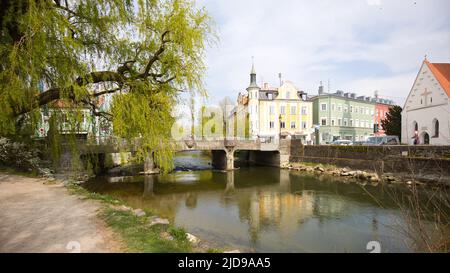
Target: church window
[436, 128]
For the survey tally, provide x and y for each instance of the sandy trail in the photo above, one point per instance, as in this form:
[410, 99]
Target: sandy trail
[35, 217]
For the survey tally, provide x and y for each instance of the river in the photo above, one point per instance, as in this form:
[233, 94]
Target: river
[265, 209]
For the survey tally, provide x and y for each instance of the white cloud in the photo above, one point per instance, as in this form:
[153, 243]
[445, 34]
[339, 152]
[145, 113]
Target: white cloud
[309, 41]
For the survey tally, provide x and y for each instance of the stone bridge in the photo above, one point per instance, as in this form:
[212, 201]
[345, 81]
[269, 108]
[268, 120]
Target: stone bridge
[222, 150]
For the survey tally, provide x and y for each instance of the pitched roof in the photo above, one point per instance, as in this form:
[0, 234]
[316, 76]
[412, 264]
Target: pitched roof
[442, 73]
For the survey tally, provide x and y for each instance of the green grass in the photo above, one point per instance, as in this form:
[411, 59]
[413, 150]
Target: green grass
[140, 237]
[76, 189]
[135, 231]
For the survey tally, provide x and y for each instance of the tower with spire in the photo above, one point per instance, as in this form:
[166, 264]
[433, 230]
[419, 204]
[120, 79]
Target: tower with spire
[253, 102]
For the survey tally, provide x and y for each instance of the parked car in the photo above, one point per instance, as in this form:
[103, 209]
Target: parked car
[342, 142]
[383, 140]
[358, 143]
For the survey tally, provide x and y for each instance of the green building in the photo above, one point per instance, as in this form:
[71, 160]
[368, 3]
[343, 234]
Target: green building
[339, 116]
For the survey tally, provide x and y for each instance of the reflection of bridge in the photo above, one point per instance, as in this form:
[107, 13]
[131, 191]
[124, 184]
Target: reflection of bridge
[223, 150]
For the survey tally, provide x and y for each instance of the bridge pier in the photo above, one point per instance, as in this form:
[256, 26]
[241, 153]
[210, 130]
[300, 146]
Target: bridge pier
[223, 159]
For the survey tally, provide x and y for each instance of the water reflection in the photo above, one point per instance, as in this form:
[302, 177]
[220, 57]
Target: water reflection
[265, 209]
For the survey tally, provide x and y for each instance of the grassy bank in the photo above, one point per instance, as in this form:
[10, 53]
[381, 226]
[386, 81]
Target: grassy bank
[135, 231]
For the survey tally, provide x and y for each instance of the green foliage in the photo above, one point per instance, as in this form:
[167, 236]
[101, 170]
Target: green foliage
[393, 122]
[178, 233]
[143, 52]
[140, 237]
[19, 156]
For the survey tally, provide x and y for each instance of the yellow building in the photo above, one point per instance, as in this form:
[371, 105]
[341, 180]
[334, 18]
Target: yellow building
[272, 112]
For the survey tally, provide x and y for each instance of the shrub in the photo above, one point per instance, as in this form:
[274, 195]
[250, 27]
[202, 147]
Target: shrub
[19, 156]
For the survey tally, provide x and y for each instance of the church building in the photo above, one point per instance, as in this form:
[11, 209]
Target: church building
[426, 113]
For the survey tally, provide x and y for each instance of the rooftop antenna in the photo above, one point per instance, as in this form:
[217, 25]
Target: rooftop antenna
[328, 85]
[279, 76]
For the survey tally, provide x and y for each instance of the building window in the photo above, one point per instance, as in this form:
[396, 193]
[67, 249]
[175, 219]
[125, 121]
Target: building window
[283, 125]
[271, 110]
[351, 109]
[436, 128]
[356, 122]
[323, 121]
[304, 125]
[323, 107]
[345, 108]
[283, 110]
[271, 125]
[339, 108]
[332, 122]
[339, 122]
[351, 123]
[293, 110]
[356, 110]
[304, 110]
[345, 122]
[371, 112]
[292, 125]
[333, 107]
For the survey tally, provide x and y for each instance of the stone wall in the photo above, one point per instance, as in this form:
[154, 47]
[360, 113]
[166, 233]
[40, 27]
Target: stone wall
[402, 158]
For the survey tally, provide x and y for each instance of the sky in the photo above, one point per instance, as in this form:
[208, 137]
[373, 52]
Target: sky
[356, 45]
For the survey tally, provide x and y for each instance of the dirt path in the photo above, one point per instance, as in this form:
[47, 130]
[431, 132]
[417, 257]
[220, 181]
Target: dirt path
[35, 217]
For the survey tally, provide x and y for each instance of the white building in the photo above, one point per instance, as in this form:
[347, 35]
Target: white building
[427, 108]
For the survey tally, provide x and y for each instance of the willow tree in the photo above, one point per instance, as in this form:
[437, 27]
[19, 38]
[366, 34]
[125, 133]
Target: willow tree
[143, 51]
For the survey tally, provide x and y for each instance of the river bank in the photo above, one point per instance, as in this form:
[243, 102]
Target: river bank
[364, 176]
[58, 215]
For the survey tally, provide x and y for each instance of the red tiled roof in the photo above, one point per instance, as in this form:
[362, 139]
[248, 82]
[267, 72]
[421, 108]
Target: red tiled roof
[442, 73]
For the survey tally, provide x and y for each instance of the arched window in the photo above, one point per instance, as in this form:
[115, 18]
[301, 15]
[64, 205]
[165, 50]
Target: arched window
[415, 127]
[436, 128]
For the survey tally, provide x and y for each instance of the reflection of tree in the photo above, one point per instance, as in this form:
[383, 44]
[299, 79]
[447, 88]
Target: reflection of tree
[191, 200]
[149, 181]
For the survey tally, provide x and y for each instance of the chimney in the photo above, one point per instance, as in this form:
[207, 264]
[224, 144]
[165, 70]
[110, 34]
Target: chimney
[266, 85]
[376, 94]
[320, 88]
